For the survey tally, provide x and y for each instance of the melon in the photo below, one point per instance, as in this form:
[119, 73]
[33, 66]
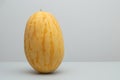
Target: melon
[43, 42]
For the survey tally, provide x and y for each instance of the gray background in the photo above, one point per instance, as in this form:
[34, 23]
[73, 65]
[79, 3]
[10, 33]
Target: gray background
[91, 28]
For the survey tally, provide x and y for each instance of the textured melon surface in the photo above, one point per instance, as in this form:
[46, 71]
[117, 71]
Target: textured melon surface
[43, 42]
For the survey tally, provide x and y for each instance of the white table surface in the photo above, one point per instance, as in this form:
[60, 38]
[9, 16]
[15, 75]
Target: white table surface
[66, 71]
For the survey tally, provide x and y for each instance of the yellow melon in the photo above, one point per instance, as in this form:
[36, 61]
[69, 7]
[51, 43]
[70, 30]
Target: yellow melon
[43, 42]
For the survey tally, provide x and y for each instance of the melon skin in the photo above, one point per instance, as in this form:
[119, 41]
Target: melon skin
[43, 42]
